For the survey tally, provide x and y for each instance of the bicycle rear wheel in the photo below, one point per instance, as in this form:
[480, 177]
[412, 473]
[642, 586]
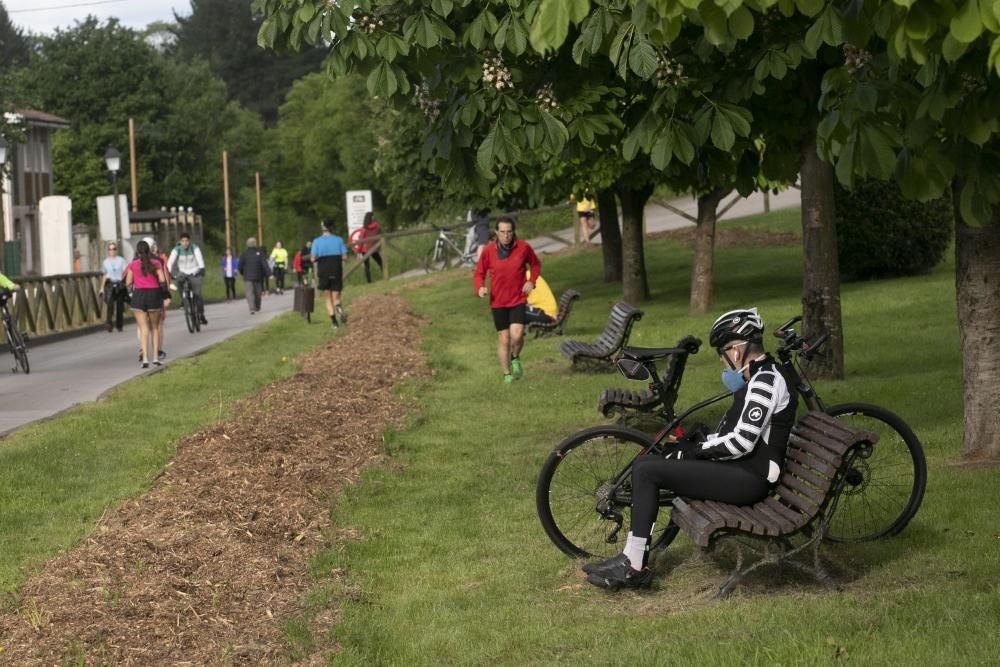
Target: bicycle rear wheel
[18, 348]
[573, 497]
[436, 259]
[885, 487]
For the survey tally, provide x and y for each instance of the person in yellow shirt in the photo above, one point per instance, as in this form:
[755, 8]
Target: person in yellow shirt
[541, 304]
[585, 214]
[280, 258]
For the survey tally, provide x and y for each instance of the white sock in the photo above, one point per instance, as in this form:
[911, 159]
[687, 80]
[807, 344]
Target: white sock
[635, 550]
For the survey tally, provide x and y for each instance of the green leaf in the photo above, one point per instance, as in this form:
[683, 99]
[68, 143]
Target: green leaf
[741, 23]
[738, 117]
[994, 58]
[642, 59]
[551, 25]
[845, 165]
[517, 37]
[305, 13]
[877, 156]
[703, 123]
[556, 134]
[715, 22]
[442, 7]
[475, 34]
[267, 33]
[990, 16]
[683, 148]
[485, 157]
[723, 136]
[810, 7]
[619, 46]
[967, 24]
[630, 147]
[382, 81]
[500, 36]
[662, 152]
[386, 47]
[578, 9]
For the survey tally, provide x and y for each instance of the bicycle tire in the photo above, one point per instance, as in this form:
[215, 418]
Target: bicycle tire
[433, 260]
[18, 348]
[885, 489]
[581, 466]
[188, 314]
[195, 317]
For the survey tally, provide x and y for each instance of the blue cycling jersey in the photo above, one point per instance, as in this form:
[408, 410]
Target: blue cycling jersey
[327, 245]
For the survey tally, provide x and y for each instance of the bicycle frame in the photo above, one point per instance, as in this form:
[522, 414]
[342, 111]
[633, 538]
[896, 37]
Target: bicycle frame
[444, 239]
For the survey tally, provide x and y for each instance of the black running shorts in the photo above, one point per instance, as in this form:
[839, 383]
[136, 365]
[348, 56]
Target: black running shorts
[330, 273]
[504, 317]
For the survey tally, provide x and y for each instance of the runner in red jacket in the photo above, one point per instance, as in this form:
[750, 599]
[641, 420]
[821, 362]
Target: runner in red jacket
[505, 262]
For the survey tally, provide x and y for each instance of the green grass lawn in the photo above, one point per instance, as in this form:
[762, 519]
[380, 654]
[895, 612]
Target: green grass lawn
[453, 566]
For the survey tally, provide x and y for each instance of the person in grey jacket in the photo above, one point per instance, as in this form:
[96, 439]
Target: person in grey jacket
[254, 269]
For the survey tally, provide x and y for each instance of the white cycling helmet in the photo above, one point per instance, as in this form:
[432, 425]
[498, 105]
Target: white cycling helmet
[742, 324]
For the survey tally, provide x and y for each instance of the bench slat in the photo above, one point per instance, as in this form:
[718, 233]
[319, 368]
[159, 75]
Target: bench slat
[808, 475]
[746, 519]
[822, 453]
[807, 459]
[787, 494]
[778, 519]
[795, 517]
[812, 493]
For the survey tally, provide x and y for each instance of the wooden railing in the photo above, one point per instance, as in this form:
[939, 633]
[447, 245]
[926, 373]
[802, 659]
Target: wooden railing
[53, 304]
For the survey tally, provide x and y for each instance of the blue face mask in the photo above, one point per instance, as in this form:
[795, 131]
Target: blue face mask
[733, 380]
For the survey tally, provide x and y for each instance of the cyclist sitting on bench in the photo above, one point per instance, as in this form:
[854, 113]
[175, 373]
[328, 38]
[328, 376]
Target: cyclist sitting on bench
[737, 465]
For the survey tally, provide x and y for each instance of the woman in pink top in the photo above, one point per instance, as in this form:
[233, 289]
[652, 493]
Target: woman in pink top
[148, 281]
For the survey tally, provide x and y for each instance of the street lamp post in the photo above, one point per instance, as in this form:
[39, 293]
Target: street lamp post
[3, 222]
[113, 160]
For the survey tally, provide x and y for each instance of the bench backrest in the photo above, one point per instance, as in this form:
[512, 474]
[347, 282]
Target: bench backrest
[816, 449]
[620, 322]
[565, 304]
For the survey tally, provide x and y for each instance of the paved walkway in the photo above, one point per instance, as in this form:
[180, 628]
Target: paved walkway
[71, 371]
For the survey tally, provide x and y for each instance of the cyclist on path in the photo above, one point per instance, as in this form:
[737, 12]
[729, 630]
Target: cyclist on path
[505, 263]
[327, 254]
[738, 465]
[280, 258]
[186, 257]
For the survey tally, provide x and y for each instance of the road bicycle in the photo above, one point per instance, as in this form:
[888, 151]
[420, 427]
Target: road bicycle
[447, 253]
[584, 491]
[189, 304]
[17, 342]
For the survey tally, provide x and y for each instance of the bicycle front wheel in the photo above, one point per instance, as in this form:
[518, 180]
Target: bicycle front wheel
[437, 259]
[189, 317]
[18, 348]
[885, 487]
[575, 504]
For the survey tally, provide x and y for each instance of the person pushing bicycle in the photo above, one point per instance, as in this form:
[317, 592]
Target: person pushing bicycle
[186, 257]
[7, 285]
[738, 465]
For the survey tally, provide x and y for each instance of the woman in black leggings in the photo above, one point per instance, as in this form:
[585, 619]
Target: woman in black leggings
[737, 465]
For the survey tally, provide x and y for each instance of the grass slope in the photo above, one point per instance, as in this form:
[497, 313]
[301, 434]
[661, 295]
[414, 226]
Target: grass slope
[453, 566]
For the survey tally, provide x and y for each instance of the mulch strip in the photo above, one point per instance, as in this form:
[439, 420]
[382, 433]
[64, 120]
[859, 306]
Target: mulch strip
[206, 567]
[727, 238]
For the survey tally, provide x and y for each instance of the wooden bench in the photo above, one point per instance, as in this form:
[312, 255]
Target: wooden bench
[820, 451]
[661, 395]
[599, 355]
[541, 329]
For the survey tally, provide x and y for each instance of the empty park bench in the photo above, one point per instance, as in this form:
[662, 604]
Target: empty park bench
[821, 450]
[541, 329]
[661, 395]
[599, 355]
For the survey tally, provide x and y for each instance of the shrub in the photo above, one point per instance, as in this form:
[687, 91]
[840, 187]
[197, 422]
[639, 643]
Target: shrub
[881, 235]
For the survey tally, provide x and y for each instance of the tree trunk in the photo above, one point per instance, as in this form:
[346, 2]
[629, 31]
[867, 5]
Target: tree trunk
[611, 236]
[821, 275]
[977, 287]
[634, 286]
[703, 265]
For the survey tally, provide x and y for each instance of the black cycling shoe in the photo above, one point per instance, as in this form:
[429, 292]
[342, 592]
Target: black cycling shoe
[203, 320]
[617, 572]
[602, 565]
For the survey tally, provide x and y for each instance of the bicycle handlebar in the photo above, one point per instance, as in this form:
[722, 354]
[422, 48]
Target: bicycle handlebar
[780, 331]
[809, 350]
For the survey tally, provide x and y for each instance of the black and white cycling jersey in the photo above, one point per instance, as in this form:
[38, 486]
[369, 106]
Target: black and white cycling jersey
[755, 428]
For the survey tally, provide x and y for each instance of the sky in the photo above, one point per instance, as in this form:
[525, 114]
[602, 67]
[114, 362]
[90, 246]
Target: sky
[44, 16]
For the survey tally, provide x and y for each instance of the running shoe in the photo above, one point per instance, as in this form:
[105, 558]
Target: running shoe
[515, 369]
[508, 379]
[157, 363]
[144, 364]
[341, 314]
[162, 355]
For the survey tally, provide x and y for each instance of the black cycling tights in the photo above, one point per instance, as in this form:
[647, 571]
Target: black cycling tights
[727, 482]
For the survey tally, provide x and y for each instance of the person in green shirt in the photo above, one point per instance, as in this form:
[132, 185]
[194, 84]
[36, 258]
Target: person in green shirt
[280, 258]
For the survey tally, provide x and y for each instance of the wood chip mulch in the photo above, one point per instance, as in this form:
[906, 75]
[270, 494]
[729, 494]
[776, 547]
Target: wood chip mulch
[207, 567]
